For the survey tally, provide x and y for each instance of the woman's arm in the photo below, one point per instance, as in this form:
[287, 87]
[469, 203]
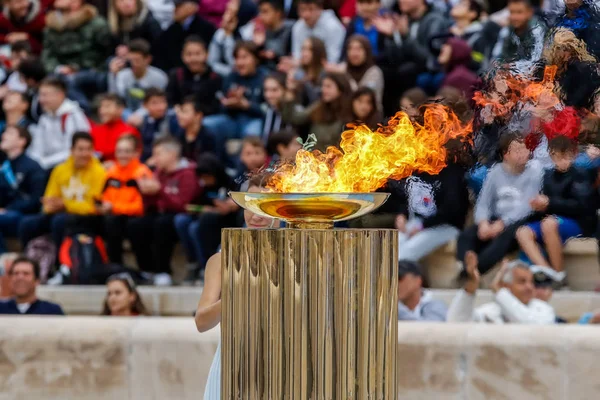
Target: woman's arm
[208, 314]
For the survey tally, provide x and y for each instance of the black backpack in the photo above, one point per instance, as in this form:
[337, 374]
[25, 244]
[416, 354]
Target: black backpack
[85, 257]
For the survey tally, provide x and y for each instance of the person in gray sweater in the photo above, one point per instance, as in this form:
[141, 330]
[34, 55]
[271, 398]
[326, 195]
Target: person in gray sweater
[415, 303]
[503, 204]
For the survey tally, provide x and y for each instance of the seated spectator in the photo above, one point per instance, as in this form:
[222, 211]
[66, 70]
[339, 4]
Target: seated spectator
[52, 137]
[273, 91]
[22, 20]
[153, 236]
[253, 156]
[566, 208]
[19, 51]
[158, 122]
[111, 127]
[360, 66]
[32, 72]
[283, 146]
[270, 31]
[70, 197]
[24, 278]
[455, 57]
[328, 116]
[310, 71]
[316, 22]
[220, 49]
[131, 82]
[241, 99]
[467, 26]
[129, 20]
[122, 298]
[514, 300]
[15, 107]
[415, 303]
[436, 209]
[364, 107]
[363, 24]
[121, 198]
[523, 38]
[195, 138]
[186, 22]
[162, 12]
[195, 77]
[76, 38]
[22, 182]
[412, 100]
[503, 205]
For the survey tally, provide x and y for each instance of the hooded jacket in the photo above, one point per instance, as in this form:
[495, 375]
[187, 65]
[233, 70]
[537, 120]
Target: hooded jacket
[140, 26]
[33, 24]
[122, 191]
[458, 73]
[177, 189]
[79, 188]
[106, 136]
[52, 136]
[183, 83]
[328, 28]
[22, 184]
[80, 40]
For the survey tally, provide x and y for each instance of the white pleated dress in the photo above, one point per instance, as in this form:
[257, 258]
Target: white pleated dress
[213, 384]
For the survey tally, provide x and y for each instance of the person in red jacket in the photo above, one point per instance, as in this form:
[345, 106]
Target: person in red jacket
[174, 185]
[111, 128]
[23, 20]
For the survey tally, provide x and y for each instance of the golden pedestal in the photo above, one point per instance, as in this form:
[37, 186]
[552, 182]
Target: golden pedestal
[309, 314]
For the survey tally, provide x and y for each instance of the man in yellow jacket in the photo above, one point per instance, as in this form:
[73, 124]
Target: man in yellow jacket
[71, 196]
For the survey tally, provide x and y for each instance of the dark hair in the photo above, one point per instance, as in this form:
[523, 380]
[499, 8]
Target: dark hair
[26, 260]
[374, 117]
[278, 77]
[32, 68]
[276, 4]
[454, 99]
[115, 98]
[318, 3]
[416, 95]
[81, 135]
[210, 164]
[56, 83]
[507, 139]
[319, 54]
[249, 46]
[154, 92]
[282, 137]
[338, 110]
[140, 46]
[21, 45]
[138, 306]
[528, 3]
[253, 141]
[195, 39]
[478, 7]
[169, 141]
[260, 180]
[358, 71]
[131, 139]
[198, 107]
[562, 144]
[22, 132]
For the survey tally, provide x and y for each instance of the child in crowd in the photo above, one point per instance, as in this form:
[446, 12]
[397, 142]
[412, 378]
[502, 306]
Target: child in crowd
[455, 58]
[364, 107]
[567, 205]
[362, 24]
[503, 204]
[19, 51]
[195, 138]
[121, 198]
[241, 99]
[61, 119]
[411, 100]
[15, 106]
[467, 26]
[132, 77]
[111, 127]
[310, 71]
[195, 77]
[174, 185]
[283, 146]
[159, 121]
[273, 88]
[253, 155]
[32, 72]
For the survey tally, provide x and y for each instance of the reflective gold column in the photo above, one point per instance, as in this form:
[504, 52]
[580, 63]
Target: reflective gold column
[309, 314]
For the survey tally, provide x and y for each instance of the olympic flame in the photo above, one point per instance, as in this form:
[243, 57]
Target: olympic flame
[367, 159]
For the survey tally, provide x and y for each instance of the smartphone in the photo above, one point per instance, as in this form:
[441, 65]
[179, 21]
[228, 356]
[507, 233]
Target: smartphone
[194, 208]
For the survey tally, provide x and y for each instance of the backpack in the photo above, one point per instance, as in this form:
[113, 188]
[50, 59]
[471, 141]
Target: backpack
[84, 256]
[43, 250]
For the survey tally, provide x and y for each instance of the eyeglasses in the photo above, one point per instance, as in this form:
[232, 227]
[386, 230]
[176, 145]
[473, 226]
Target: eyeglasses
[122, 276]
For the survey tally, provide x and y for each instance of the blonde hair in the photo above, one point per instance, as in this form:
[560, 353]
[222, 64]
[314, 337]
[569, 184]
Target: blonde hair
[566, 40]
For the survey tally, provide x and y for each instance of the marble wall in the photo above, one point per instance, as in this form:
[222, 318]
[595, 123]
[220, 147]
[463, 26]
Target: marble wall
[93, 358]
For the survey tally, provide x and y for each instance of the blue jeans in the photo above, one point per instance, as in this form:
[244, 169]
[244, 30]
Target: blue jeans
[33, 226]
[9, 226]
[187, 227]
[223, 127]
[85, 85]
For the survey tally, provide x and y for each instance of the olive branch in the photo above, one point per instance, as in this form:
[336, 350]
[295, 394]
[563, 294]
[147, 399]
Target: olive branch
[310, 142]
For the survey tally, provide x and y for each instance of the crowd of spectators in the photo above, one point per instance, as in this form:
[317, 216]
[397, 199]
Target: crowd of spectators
[132, 119]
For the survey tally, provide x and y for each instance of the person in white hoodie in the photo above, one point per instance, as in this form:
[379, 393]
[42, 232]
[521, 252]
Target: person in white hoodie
[320, 23]
[415, 303]
[514, 300]
[61, 118]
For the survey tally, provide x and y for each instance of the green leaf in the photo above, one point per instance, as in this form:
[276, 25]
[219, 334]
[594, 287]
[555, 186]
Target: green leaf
[310, 142]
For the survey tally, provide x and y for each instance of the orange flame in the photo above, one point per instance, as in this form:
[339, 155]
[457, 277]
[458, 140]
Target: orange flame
[368, 159]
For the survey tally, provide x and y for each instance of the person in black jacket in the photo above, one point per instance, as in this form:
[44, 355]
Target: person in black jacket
[186, 22]
[565, 208]
[22, 182]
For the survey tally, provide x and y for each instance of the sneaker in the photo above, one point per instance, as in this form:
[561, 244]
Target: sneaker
[61, 276]
[163, 279]
[191, 276]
